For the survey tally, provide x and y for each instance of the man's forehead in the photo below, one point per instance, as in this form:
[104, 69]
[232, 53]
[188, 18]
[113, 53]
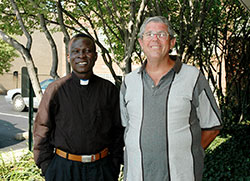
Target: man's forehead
[81, 39]
[75, 41]
[151, 26]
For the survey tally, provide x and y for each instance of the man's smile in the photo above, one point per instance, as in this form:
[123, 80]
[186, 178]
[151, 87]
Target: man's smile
[82, 63]
[155, 47]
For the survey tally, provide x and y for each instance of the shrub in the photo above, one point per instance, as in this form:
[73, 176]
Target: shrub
[230, 160]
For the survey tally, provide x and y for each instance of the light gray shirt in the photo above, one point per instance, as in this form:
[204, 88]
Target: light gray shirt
[163, 124]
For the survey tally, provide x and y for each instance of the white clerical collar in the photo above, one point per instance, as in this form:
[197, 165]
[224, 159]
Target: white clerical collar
[84, 81]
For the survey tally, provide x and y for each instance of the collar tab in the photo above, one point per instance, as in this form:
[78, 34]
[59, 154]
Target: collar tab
[84, 81]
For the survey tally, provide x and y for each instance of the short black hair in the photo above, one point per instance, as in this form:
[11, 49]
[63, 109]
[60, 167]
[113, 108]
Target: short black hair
[82, 35]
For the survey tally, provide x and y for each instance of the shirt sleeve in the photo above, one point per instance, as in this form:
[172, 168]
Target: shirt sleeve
[207, 111]
[116, 148]
[124, 112]
[43, 150]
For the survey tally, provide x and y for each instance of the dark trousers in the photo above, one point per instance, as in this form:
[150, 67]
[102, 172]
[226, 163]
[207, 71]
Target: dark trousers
[61, 169]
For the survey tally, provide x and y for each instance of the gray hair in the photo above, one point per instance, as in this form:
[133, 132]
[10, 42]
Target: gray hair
[159, 19]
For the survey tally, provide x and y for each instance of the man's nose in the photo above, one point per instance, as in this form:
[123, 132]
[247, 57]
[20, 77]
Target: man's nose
[82, 54]
[156, 36]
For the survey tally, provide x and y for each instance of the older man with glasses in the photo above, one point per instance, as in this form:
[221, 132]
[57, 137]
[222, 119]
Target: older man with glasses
[168, 111]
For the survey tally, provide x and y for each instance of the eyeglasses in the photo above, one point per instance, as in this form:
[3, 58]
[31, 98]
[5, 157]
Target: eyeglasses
[162, 35]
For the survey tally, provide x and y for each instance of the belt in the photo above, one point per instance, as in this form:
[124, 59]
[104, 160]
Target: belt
[83, 158]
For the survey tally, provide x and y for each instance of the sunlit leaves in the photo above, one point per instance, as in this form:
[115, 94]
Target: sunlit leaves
[7, 55]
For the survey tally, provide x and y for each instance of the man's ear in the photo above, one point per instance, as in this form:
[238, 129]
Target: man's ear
[96, 56]
[68, 58]
[172, 43]
[140, 42]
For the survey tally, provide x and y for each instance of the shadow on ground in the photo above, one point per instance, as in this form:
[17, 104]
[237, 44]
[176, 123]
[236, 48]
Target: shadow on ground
[8, 132]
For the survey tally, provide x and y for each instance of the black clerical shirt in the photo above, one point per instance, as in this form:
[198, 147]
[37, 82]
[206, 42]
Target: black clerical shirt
[79, 119]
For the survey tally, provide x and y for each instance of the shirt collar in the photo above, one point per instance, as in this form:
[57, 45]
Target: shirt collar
[176, 68]
[78, 81]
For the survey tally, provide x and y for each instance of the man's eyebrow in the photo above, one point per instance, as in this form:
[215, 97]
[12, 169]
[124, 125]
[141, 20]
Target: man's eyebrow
[162, 31]
[74, 47]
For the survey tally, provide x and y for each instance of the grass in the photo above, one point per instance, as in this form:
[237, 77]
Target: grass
[23, 169]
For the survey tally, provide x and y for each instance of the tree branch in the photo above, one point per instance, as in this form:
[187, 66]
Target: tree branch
[20, 21]
[53, 71]
[65, 33]
[130, 46]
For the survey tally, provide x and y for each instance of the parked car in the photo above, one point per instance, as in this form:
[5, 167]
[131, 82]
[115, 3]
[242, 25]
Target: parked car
[19, 103]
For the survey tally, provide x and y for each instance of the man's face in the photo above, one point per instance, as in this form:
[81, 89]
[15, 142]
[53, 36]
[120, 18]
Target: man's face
[82, 55]
[156, 46]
